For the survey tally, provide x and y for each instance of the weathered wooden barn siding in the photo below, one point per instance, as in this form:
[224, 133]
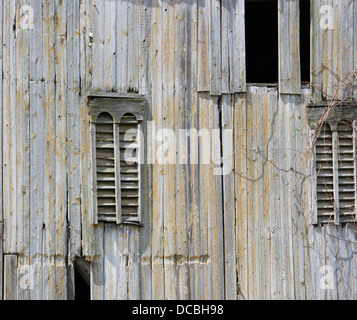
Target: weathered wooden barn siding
[41, 131]
[334, 53]
[245, 235]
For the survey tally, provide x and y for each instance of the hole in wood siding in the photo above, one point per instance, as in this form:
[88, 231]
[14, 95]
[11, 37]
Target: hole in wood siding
[261, 19]
[82, 288]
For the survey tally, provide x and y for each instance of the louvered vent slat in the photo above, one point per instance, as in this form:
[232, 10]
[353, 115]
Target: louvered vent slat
[324, 175]
[346, 171]
[129, 168]
[105, 164]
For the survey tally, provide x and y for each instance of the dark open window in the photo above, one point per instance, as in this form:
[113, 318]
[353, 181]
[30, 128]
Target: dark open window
[305, 40]
[261, 19]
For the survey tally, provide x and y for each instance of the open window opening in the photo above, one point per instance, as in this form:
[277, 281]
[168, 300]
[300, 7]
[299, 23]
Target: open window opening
[305, 40]
[262, 55]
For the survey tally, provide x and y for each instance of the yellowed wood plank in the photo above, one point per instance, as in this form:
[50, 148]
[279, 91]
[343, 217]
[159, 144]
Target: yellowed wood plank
[10, 277]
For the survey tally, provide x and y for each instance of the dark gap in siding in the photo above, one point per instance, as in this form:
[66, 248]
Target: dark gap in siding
[305, 40]
[261, 25]
[82, 289]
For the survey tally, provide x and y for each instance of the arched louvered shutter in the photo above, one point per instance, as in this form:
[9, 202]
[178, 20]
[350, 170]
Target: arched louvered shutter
[130, 170]
[106, 178]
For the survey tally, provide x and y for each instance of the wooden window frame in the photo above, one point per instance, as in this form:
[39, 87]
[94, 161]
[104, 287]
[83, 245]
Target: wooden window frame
[340, 112]
[117, 105]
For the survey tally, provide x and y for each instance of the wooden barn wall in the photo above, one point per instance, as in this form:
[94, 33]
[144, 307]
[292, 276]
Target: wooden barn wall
[245, 235]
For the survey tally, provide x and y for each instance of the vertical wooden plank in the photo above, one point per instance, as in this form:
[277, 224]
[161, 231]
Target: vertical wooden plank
[9, 128]
[229, 198]
[110, 20]
[226, 26]
[215, 220]
[1, 109]
[1, 260]
[182, 223]
[85, 136]
[49, 119]
[279, 201]
[304, 224]
[36, 131]
[97, 265]
[36, 152]
[122, 262]
[10, 277]
[61, 278]
[158, 273]
[61, 146]
[98, 44]
[285, 178]
[315, 57]
[145, 83]
[73, 74]
[133, 46]
[274, 198]
[266, 210]
[215, 60]
[144, 43]
[289, 47]
[205, 156]
[257, 195]
[250, 192]
[294, 250]
[241, 193]
[22, 97]
[298, 200]
[168, 123]
[195, 249]
[237, 56]
[122, 46]
[203, 73]
[233, 46]
[111, 242]
[134, 284]
[36, 186]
